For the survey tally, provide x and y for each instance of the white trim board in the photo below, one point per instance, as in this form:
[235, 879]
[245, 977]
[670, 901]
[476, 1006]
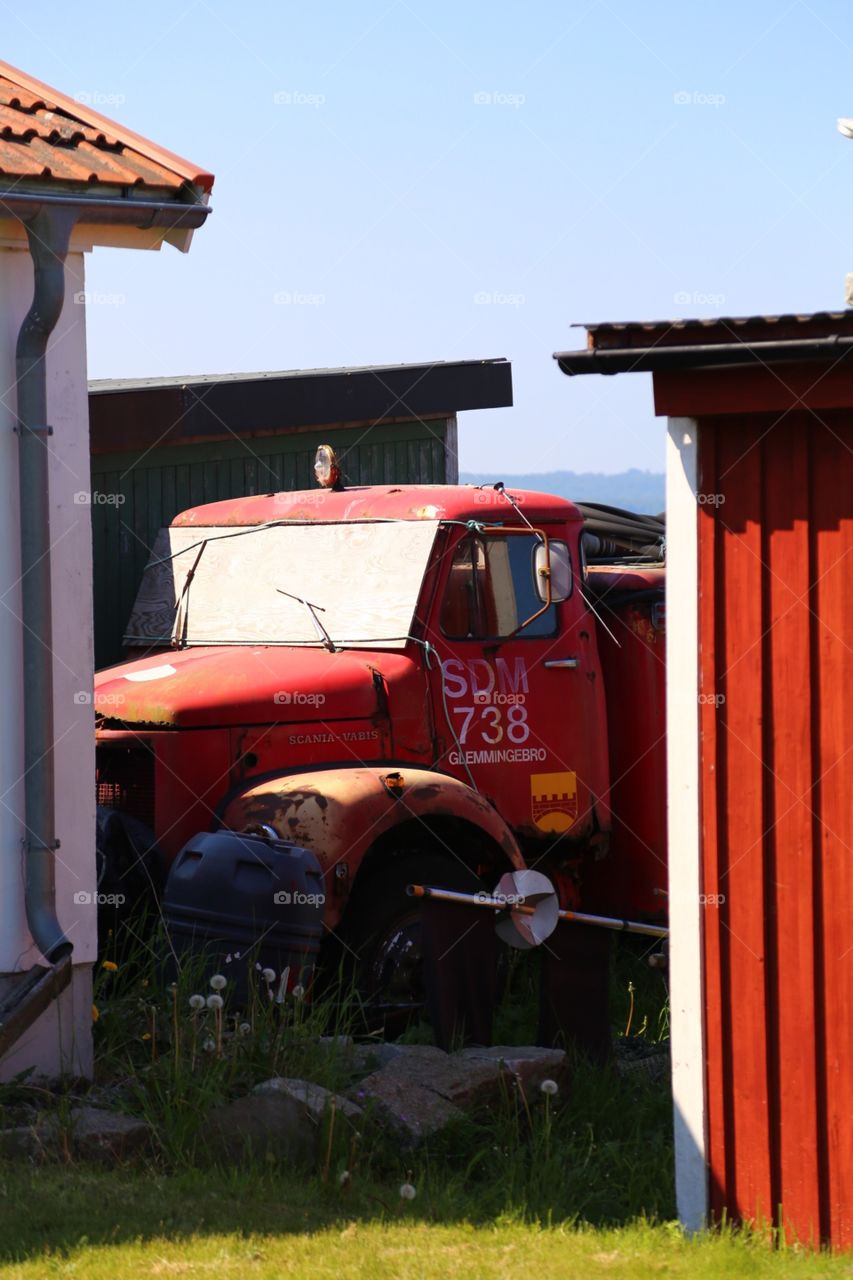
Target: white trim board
[684, 836]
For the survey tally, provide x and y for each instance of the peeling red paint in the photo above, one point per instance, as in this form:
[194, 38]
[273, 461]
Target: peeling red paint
[340, 814]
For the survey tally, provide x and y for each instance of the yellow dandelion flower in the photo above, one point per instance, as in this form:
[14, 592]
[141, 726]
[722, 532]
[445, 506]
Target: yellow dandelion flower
[95, 1013]
[110, 966]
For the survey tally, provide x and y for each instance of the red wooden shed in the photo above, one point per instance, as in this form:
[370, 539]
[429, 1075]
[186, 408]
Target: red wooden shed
[760, 793]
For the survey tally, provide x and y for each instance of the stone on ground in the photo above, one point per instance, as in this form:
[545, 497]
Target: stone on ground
[281, 1118]
[422, 1089]
[88, 1133]
[528, 1064]
[313, 1097]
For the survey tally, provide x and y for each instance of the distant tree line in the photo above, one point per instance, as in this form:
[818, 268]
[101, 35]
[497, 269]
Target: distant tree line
[634, 490]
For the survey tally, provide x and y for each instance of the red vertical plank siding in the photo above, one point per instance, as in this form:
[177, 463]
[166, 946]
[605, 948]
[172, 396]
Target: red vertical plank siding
[740, 814]
[776, 640]
[789, 901]
[832, 667]
[718, 1077]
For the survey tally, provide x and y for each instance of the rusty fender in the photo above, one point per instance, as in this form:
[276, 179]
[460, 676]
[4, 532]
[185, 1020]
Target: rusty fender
[340, 813]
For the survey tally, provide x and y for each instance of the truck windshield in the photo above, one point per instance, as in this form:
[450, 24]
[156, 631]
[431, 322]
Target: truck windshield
[250, 584]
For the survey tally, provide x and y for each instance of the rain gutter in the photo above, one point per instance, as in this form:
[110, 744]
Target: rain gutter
[116, 210]
[48, 234]
[702, 356]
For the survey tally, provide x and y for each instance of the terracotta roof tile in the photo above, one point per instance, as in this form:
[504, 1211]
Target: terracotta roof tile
[46, 135]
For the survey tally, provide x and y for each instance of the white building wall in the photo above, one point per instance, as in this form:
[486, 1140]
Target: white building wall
[61, 1039]
[685, 885]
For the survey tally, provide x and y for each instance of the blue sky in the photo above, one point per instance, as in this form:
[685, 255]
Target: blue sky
[408, 181]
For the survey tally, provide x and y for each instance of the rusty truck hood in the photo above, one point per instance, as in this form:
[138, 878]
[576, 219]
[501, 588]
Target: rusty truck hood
[236, 685]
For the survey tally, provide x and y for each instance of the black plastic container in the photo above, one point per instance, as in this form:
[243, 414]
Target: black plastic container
[243, 901]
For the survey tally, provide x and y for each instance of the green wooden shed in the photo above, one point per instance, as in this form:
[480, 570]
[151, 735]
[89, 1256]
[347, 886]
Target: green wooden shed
[159, 445]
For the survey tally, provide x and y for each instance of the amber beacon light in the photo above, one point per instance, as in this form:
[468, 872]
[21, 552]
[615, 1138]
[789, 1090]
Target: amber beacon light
[327, 468]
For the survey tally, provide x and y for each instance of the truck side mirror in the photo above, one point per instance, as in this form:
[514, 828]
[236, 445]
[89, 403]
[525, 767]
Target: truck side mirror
[553, 563]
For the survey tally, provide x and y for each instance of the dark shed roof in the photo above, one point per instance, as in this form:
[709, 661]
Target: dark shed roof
[140, 412]
[642, 346]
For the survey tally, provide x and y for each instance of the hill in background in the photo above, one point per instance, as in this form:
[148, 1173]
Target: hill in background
[641, 491]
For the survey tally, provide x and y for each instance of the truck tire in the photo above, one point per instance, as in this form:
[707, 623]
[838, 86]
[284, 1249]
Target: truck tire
[381, 933]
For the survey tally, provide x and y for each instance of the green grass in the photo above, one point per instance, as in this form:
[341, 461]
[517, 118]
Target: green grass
[54, 1222]
[580, 1184]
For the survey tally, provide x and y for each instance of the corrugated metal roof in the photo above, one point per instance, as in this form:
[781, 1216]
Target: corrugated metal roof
[101, 385]
[46, 136]
[680, 332]
[141, 413]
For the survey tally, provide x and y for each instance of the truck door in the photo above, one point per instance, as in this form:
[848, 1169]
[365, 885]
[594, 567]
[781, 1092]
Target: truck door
[522, 699]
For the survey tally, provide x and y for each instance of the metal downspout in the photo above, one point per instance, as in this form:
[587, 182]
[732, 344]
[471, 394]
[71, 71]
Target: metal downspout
[48, 234]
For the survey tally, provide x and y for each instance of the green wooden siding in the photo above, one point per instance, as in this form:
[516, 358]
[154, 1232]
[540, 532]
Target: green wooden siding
[136, 495]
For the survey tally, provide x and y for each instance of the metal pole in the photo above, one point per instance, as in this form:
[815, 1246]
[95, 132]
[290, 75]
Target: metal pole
[570, 917]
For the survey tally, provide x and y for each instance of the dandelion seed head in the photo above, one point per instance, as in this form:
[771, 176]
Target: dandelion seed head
[549, 1088]
[298, 991]
[218, 982]
[407, 1191]
[196, 1002]
[268, 975]
[245, 1028]
[343, 1178]
[209, 1045]
[215, 1002]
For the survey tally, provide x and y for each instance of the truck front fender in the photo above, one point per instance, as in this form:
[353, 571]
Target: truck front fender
[340, 813]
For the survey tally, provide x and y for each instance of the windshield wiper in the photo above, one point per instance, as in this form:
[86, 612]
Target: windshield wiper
[318, 626]
[182, 609]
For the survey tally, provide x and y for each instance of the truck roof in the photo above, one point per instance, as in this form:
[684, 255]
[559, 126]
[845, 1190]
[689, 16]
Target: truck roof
[382, 502]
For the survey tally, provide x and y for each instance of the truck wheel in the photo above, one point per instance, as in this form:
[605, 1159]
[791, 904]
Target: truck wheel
[382, 933]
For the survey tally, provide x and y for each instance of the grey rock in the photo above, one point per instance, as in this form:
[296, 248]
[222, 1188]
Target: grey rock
[262, 1125]
[336, 1042]
[89, 1133]
[422, 1089]
[358, 1059]
[528, 1064]
[282, 1118]
[109, 1136]
[409, 1108]
[313, 1097]
[418, 1052]
[365, 1057]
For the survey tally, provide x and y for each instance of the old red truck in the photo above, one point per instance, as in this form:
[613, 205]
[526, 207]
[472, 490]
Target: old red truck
[416, 683]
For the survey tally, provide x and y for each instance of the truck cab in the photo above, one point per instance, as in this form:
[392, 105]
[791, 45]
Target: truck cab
[405, 680]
